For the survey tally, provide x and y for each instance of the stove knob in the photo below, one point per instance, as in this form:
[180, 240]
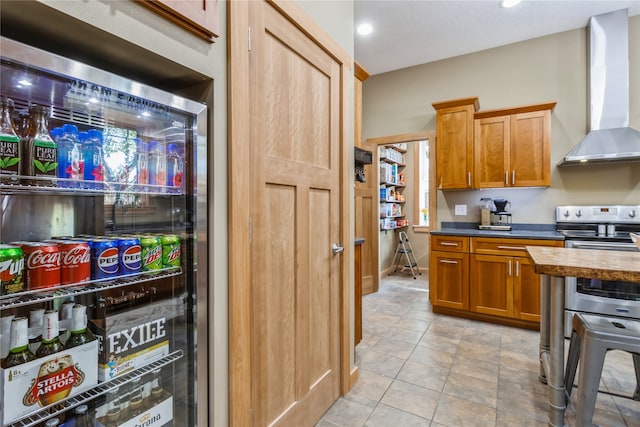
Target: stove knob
[578, 213]
[566, 213]
[632, 214]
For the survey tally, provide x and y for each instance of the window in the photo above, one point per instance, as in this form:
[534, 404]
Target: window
[421, 189]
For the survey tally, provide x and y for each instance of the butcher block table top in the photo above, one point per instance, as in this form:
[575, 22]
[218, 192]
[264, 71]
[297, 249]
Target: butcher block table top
[588, 263]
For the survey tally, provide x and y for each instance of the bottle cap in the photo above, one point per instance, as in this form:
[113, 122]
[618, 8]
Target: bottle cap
[83, 136]
[141, 146]
[69, 128]
[172, 148]
[19, 336]
[82, 409]
[95, 133]
[4, 101]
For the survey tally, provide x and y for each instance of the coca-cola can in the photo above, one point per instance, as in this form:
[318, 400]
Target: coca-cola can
[42, 264]
[75, 261]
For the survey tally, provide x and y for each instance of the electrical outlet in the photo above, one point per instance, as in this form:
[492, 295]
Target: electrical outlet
[461, 210]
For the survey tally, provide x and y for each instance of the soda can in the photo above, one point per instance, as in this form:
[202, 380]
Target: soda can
[170, 251]
[104, 258]
[75, 265]
[130, 255]
[42, 265]
[11, 269]
[151, 253]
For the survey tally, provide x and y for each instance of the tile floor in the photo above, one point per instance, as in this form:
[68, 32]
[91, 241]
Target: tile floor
[417, 368]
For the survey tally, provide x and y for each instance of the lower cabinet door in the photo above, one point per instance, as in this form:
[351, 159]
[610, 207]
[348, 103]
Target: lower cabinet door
[526, 291]
[449, 279]
[491, 285]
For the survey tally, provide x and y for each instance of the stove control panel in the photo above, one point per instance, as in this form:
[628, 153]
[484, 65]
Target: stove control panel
[599, 214]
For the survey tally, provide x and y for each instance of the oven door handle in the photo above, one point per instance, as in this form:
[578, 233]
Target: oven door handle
[603, 246]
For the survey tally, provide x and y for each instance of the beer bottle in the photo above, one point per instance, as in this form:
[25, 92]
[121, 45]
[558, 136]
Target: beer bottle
[5, 331]
[66, 313]
[79, 333]
[35, 328]
[113, 408]
[19, 344]
[157, 392]
[82, 417]
[135, 398]
[50, 335]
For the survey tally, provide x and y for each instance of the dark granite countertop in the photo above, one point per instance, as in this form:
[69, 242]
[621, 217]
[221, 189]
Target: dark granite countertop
[518, 231]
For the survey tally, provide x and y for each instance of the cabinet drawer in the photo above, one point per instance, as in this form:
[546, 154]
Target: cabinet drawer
[449, 243]
[510, 247]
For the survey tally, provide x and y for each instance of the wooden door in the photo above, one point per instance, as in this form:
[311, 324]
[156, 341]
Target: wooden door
[526, 291]
[449, 279]
[295, 104]
[530, 149]
[491, 285]
[491, 152]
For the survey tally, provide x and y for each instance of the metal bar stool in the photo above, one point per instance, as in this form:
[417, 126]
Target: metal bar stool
[591, 337]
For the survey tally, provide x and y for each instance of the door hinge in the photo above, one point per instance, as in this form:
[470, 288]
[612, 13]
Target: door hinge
[249, 40]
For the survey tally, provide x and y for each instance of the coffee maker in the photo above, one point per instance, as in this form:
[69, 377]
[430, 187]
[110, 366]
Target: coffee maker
[494, 215]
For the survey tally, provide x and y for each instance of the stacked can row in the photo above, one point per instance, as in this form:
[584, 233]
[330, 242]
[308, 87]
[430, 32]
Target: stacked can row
[63, 261]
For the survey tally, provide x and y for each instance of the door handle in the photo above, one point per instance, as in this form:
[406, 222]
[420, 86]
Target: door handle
[448, 261]
[336, 248]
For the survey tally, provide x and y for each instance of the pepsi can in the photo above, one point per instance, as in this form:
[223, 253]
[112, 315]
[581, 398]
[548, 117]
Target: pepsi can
[104, 258]
[130, 260]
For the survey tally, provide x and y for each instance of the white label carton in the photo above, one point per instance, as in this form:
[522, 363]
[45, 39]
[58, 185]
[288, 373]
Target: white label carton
[28, 387]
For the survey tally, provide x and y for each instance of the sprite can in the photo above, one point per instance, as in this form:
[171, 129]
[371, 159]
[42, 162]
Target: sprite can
[170, 251]
[11, 269]
[151, 253]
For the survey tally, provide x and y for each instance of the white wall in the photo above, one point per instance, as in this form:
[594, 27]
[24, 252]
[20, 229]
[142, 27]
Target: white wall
[552, 68]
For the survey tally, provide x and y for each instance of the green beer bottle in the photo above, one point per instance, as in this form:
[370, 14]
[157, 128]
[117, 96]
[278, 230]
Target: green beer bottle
[19, 344]
[79, 333]
[50, 335]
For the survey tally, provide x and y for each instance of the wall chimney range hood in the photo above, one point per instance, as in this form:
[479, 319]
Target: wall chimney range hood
[610, 138]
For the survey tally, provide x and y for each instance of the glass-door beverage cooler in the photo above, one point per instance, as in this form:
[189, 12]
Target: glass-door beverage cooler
[102, 205]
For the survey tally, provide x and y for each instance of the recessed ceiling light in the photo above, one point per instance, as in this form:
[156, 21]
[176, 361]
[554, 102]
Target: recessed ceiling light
[509, 3]
[365, 29]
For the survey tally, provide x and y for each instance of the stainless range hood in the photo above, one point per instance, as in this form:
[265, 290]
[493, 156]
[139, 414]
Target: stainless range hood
[610, 138]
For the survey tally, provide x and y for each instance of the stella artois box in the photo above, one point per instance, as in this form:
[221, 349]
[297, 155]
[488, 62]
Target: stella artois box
[33, 385]
[134, 338]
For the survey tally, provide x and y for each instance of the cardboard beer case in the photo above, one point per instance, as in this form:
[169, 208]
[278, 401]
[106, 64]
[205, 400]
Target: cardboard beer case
[159, 415]
[33, 385]
[132, 339]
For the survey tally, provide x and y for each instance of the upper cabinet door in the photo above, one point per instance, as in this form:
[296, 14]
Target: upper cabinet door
[491, 152]
[530, 149]
[199, 17]
[454, 143]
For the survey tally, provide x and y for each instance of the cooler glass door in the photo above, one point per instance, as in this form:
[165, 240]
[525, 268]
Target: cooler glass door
[116, 210]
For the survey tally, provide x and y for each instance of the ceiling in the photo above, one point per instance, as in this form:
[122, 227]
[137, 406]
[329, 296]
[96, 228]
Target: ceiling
[408, 33]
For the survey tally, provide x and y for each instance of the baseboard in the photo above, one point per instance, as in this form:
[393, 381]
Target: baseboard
[353, 378]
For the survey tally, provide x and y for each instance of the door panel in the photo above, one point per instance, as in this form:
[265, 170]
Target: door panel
[295, 216]
[491, 285]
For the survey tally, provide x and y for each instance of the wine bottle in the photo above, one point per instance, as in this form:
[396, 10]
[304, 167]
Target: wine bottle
[19, 352]
[50, 335]
[79, 333]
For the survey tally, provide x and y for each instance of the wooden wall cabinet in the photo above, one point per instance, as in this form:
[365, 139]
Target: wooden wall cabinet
[512, 147]
[502, 282]
[199, 17]
[454, 132]
[449, 272]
